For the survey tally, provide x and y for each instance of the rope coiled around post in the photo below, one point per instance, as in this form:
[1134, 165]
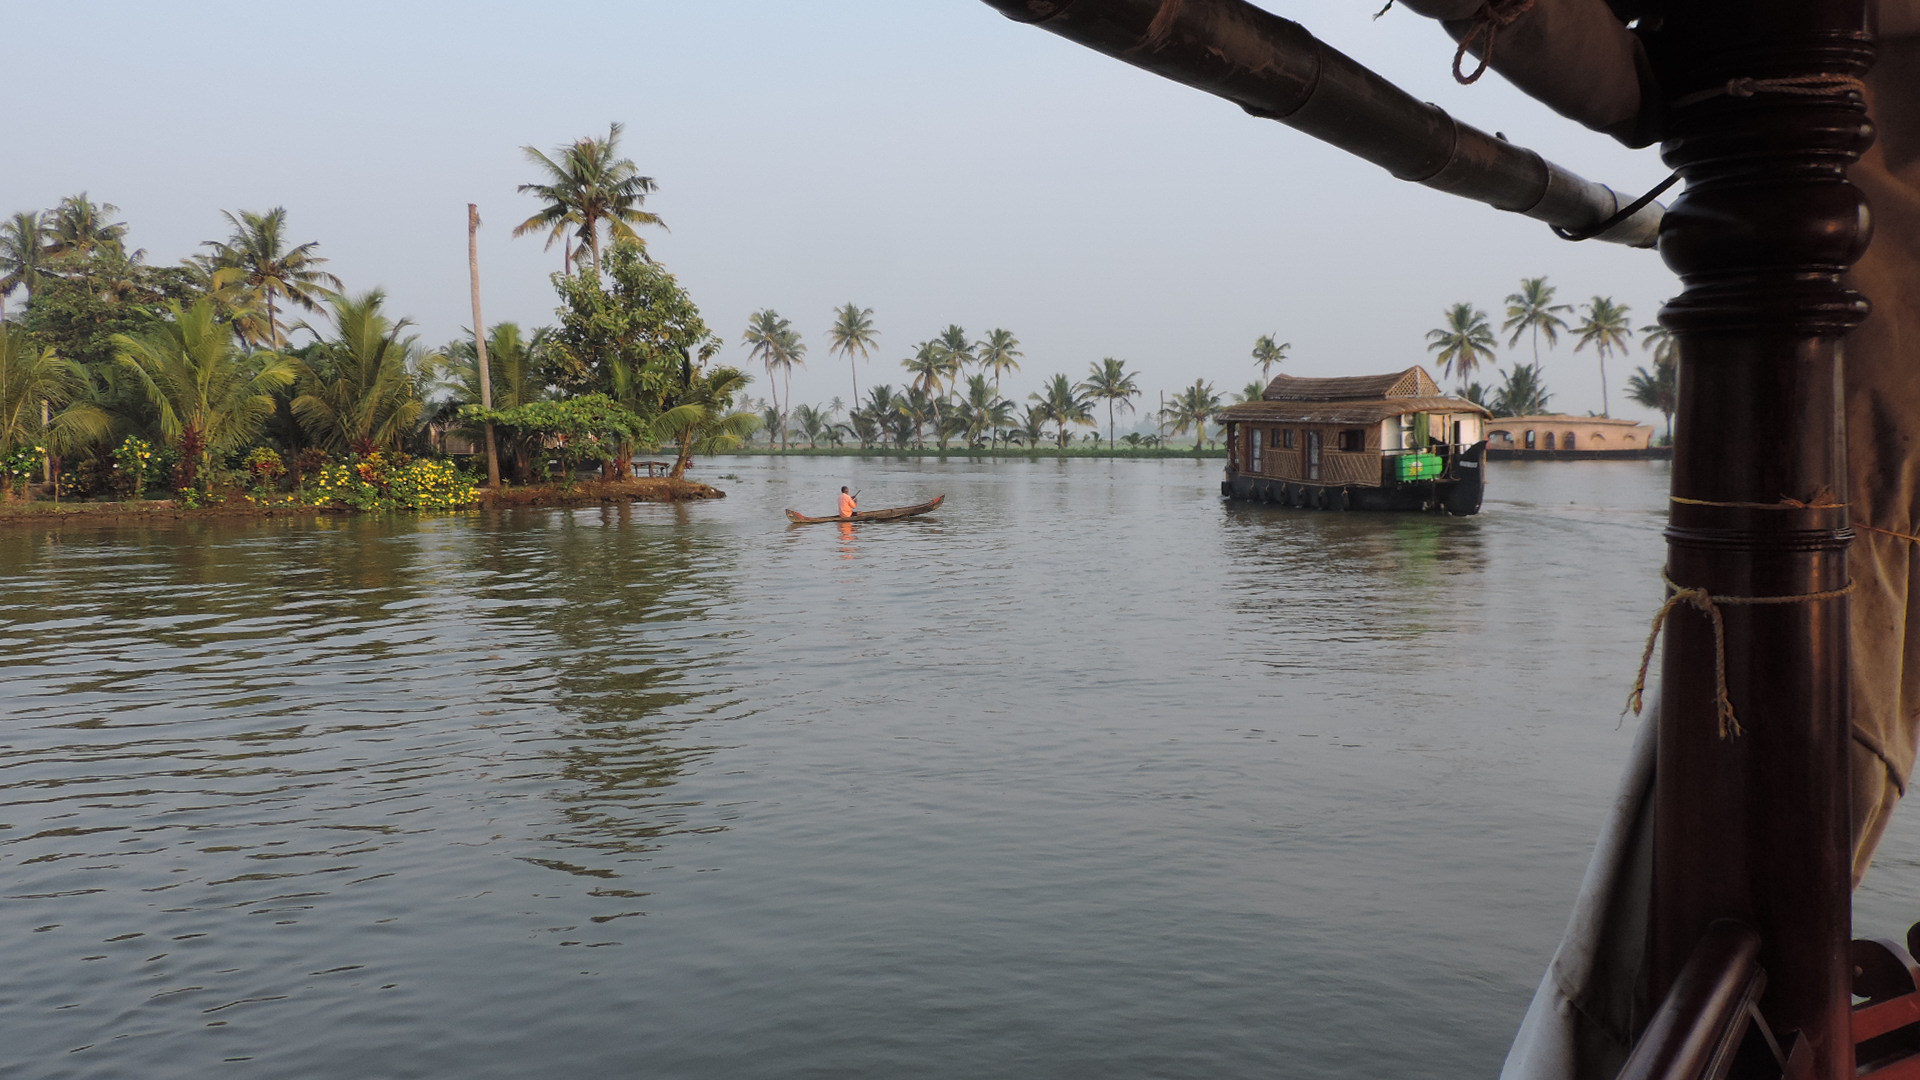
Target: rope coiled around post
[1709, 605]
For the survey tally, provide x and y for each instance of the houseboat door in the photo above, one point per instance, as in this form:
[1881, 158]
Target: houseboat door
[1313, 455]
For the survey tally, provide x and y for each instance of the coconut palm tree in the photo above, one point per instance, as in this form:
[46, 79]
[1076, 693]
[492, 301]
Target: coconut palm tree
[812, 422]
[79, 227]
[211, 398]
[356, 393]
[1606, 328]
[588, 189]
[956, 351]
[998, 352]
[1660, 341]
[1110, 381]
[1267, 352]
[1061, 403]
[1463, 342]
[1532, 311]
[1031, 428]
[852, 333]
[1521, 392]
[1657, 389]
[270, 270]
[1192, 408]
[44, 399]
[1253, 391]
[983, 410]
[773, 341]
[23, 255]
[703, 419]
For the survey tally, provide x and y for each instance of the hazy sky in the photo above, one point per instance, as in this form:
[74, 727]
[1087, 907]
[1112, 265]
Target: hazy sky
[925, 158]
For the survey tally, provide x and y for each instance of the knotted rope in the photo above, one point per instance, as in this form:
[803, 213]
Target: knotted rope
[1801, 85]
[1710, 605]
[1493, 17]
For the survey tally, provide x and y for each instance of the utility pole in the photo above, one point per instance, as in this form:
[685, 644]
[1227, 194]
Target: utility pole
[480, 341]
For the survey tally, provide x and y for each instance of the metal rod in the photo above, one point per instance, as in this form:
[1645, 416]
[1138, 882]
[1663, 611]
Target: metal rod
[1274, 68]
[1697, 1028]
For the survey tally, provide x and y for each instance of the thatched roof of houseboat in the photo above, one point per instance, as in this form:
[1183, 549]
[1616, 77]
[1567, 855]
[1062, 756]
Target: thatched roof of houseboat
[1345, 412]
[1354, 399]
[1413, 382]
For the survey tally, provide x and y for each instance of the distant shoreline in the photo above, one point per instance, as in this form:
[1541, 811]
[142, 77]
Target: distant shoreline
[1153, 453]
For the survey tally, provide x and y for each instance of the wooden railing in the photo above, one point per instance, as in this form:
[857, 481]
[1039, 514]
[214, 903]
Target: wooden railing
[1710, 1027]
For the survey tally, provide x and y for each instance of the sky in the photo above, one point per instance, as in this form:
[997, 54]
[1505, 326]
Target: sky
[927, 159]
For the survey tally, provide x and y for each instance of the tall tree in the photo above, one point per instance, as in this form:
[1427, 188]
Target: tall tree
[43, 398]
[773, 341]
[955, 350]
[1605, 327]
[80, 227]
[355, 392]
[998, 352]
[1532, 311]
[851, 334]
[1657, 389]
[1110, 381]
[209, 396]
[590, 188]
[1661, 343]
[1522, 392]
[1192, 408]
[1463, 341]
[1267, 352]
[1063, 403]
[269, 269]
[480, 343]
[23, 255]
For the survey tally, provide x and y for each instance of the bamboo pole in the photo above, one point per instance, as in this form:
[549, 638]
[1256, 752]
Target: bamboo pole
[1274, 68]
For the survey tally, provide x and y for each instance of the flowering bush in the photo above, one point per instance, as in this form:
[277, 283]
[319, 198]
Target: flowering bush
[16, 469]
[133, 459]
[264, 468]
[380, 481]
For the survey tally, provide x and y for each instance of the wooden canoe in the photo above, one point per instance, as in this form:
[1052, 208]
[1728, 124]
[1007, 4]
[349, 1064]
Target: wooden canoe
[894, 514]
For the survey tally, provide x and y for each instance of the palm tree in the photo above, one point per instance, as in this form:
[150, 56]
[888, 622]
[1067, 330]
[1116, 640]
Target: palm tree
[1606, 328]
[852, 332]
[210, 396]
[812, 421]
[1032, 427]
[1267, 352]
[1110, 380]
[704, 420]
[1657, 389]
[956, 351]
[773, 341]
[1253, 391]
[927, 365]
[1521, 393]
[588, 188]
[984, 411]
[355, 393]
[1532, 311]
[269, 269]
[43, 399]
[1463, 342]
[1192, 408]
[1061, 402]
[23, 255]
[998, 352]
[80, 228]
[1660, 341]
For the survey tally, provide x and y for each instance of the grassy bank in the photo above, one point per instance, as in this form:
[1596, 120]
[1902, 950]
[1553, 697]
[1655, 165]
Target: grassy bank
[584, 493]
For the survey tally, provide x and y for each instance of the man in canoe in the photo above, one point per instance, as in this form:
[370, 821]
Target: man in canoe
[848, 504]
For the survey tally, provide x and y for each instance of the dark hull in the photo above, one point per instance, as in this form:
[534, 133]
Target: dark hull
[1458, 492]
[894, 514]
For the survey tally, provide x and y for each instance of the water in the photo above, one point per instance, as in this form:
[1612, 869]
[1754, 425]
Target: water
[1090, 775]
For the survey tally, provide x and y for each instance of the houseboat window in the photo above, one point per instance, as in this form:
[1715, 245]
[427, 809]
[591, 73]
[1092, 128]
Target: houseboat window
[1529, 439]
[1253, 450]
[1549, 440]
[1456, 433]
[1567, 443]
[1597, 437]
[1352, 439]
[1286, 438]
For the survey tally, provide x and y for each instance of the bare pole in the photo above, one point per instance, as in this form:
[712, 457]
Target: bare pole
[1275, 69]
[480, 341]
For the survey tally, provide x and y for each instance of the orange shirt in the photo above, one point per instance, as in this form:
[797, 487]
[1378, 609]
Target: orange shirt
[847, 504]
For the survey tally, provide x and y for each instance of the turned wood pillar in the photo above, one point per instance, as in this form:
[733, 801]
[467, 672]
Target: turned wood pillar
[1754, 826]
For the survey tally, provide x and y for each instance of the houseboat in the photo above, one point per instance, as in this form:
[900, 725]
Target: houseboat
[1560, 437]
[1366, 442]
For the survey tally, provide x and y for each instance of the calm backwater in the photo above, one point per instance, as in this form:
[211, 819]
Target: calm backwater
[1090, 775]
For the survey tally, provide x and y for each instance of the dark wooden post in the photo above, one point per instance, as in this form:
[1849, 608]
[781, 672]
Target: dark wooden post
[1754, 826]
